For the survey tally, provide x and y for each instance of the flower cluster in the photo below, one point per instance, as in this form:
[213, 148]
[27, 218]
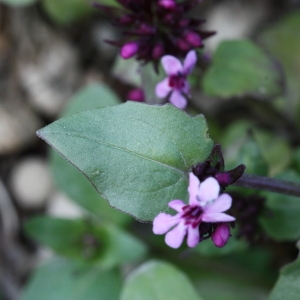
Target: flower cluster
[206, 206]
[176, 84]
[153, 28]
[214, 166]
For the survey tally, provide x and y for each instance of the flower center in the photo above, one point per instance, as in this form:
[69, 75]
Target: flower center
[177, 81]
[192, 215]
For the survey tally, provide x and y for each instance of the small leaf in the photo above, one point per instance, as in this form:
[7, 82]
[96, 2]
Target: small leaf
[287, 286]
[18, 2]
[67, 11]
[136, 155]
[157, 280]
[283, 222]
[68, 280]
[86, 241]
[241, 68]
[241, 146]
[280, 40]
[92, 96]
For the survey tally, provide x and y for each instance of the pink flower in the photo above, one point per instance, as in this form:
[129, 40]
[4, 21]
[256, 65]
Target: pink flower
[176, 82]
[205, 205]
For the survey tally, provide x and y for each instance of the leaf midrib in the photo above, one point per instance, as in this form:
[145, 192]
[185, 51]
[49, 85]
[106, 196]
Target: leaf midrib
[113, 146]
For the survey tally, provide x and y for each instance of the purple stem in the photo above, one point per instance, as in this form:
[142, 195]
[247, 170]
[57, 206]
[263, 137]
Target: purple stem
[269, 184]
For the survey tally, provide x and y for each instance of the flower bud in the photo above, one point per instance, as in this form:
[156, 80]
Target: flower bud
[146, 29]
[168, 4]
[129, 50]
[158, 51]
[136, 95]
[221, 235]
[125, 20]
[193, 39]
[183, 45]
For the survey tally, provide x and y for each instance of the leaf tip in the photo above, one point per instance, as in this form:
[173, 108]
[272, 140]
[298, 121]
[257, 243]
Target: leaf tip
[41, 134]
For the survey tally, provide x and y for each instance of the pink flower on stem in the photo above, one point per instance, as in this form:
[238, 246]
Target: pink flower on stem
[205, 205]
[176, 83]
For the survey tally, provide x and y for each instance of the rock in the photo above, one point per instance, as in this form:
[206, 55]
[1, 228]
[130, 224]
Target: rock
[18, 125]
[234, 20]
[61, 206]
[101, 33]
[47, 64]
[31, 182]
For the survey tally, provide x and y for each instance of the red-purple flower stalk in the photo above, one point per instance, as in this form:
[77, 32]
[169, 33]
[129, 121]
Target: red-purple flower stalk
[153, 28]
[205, 206]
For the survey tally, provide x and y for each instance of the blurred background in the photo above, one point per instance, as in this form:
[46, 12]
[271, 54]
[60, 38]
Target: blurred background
[50, 50]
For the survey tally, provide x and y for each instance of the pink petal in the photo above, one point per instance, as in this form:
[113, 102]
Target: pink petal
[164, 222]
[193, 189]
[193, 236]
[177, 205]
[219, 205]
[178, 100]
[217, 217]
[209, 190]
[162, 89]
[174, 238]
[171, 65]
[186, 88]
[189, 62]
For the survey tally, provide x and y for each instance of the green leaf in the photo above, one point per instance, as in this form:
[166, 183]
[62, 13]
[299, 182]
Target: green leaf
[283, 224]
[241, 68]
[67, 11]
[112, 3]
[67, 177]
[279, 40]
[68, 280]
[268, 148]
[92, 96]
[18, 2]
[157, 280]
[136, 155]
[86, 241]
[287, 286]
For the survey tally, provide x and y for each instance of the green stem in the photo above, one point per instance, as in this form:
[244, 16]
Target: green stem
[269, 184]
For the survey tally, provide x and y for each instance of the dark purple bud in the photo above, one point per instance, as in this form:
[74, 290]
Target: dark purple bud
[236, 173]
[158, 51]
[221, 235]
[193, 38]
[146, 29]
[136, 95]
[125, 20]
[224, 179]
[129, 50]
[184, 22]
[183, 45]
[230, 177]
